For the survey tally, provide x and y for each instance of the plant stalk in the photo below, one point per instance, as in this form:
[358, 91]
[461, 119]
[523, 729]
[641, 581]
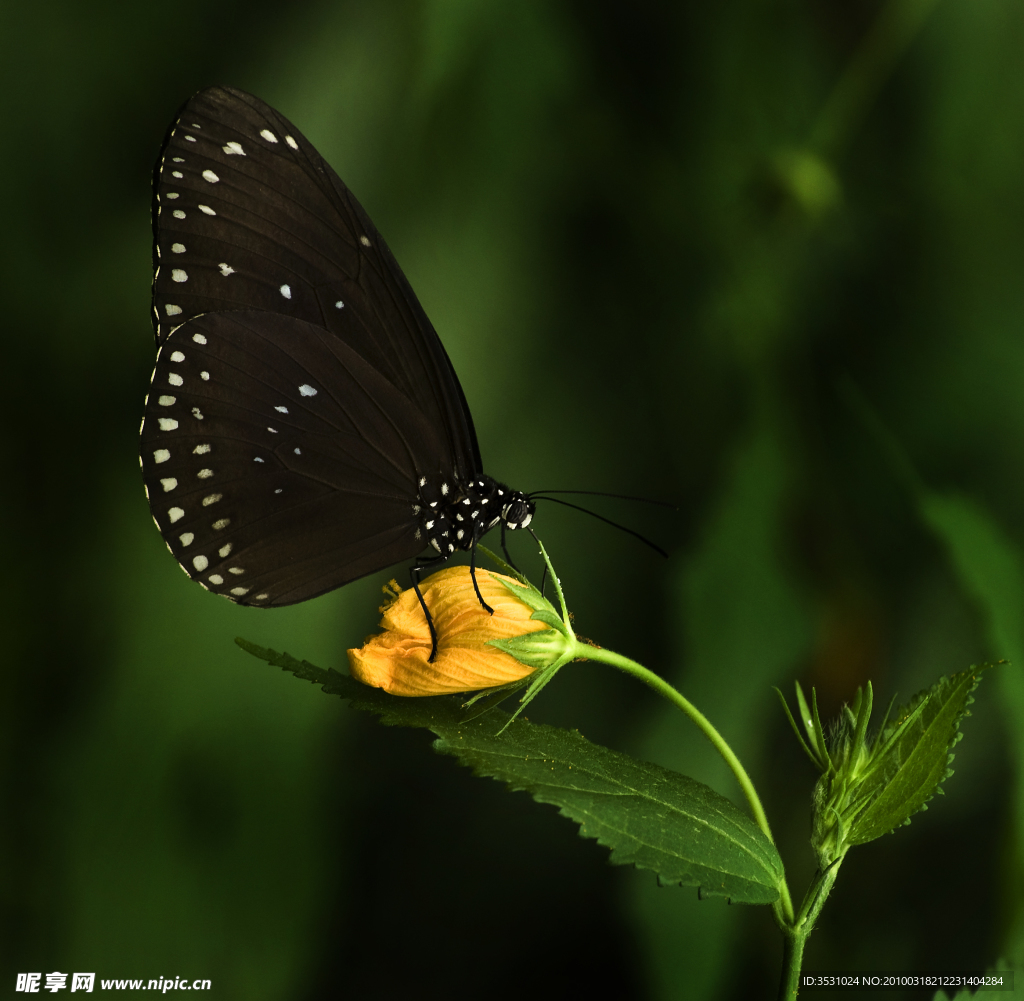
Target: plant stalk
[784, 908]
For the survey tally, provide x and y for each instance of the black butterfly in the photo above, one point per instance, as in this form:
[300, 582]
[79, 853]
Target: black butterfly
[304, 426]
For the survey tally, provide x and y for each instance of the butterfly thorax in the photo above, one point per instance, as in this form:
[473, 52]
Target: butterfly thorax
[455, 515]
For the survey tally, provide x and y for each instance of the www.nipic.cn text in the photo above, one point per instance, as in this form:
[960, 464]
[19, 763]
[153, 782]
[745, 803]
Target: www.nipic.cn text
[33, 983]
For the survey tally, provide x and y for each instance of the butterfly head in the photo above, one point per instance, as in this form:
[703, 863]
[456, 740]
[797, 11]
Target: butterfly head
[517, 511]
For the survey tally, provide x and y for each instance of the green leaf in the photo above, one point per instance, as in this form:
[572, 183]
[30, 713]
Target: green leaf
[916, 757]
[647, 815]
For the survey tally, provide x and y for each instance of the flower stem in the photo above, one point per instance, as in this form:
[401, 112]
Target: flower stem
[793, 940]
[664, 689]
[796, 934]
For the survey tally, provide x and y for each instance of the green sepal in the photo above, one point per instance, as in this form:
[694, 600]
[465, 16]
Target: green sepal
[537, 682]
[504, 567]
[537, 650]
[915, 757]
[487, 698]
[648, 816]
[542, 608]
[796, 730]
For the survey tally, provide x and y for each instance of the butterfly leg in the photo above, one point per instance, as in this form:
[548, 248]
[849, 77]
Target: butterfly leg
[415, 573]
[504, 549]
[476, 587]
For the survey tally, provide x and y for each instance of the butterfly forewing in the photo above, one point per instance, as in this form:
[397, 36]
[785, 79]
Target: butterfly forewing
[278, 462]
[248, 216]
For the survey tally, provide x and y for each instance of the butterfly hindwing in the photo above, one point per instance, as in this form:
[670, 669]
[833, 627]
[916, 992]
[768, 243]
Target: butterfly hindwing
[278, 462]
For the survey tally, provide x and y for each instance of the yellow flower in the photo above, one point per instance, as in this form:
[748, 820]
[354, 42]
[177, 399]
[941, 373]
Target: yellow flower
[397, 659]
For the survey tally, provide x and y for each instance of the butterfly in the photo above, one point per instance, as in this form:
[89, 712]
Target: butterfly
[304, 425]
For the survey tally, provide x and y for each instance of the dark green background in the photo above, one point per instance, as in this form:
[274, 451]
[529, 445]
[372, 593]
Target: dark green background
[665, 248]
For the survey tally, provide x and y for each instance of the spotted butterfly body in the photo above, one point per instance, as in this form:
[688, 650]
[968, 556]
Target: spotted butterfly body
[304, 426]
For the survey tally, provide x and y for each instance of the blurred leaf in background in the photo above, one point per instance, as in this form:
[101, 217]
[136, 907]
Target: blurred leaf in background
[629, 222]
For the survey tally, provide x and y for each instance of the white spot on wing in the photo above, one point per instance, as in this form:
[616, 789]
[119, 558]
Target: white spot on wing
[269, 136]
[257, 459]
[225, 550]
[201, 450]
[166, 401]
[221, 523]
[175, 514]
[205, 376]
[197, 414]
[281, 410]
[286, 291]
[204, 474]
[168, 483]
[191, 139]
[260, 597]
[177, 248]
[211, 499]
[172, 311]
[364, 240]
[178, 174]
[272, 430]
[177, 356]
[186, 538]
[200, 562]
[174, 379]
[233, 148]
[199, 338]
[179, 275]
[307, 390]
[226, 269]
[161, 455]
[339, 305]
[171, 195]
[179, 213]
[215, 578]
[168, 424]
[235, 570]
[298, 451]
[206, 210]
[291, 142]
[240, 590]
[209, 175]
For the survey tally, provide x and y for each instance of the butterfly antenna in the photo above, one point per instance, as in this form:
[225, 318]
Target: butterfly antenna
[607, 521]
[601, 493]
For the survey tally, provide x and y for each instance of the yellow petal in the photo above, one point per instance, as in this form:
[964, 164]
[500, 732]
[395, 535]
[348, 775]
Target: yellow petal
[396, 660]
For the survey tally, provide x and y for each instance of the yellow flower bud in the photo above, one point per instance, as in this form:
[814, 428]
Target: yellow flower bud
[397, 659]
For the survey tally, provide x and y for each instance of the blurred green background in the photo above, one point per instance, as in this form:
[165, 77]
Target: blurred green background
[674, 249]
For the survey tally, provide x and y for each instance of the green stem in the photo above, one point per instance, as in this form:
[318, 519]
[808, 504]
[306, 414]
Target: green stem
[664, 689]
[793, 941]
[795, 936]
